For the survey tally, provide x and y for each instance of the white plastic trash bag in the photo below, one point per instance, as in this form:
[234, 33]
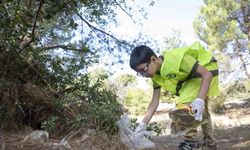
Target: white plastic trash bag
[129, 138]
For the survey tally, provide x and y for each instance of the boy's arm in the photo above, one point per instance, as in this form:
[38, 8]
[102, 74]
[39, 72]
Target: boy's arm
[198, 104]
[206, 78]
[152, 106]
[189, 65]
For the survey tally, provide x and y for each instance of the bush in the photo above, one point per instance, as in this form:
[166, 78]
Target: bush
[217, 103]
[87, 107]
[234, 90]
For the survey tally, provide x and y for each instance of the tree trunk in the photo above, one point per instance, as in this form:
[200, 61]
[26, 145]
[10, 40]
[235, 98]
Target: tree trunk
[242, 59]
[244, 67]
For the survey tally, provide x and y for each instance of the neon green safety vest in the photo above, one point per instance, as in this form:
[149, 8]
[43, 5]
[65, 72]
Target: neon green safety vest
[186, 84]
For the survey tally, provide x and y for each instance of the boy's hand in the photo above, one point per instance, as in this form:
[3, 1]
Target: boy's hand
[198, 108]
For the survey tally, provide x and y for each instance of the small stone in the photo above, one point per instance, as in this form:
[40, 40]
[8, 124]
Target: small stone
[38, 135]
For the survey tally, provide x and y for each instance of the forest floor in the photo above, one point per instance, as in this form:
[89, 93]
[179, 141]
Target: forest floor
[232, 131]
[232, 128]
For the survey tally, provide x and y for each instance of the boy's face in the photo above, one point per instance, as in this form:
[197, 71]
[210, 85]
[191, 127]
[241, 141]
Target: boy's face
[146, 69]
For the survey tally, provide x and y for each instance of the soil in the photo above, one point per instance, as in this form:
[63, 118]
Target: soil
[232, 128]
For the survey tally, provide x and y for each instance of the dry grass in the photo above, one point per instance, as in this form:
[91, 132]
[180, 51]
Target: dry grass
[97, 141]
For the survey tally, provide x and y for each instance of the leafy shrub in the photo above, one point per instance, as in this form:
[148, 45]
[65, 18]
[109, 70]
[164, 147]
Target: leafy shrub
[234, 90]
[49, 124]
[88, 106]
[216, 103]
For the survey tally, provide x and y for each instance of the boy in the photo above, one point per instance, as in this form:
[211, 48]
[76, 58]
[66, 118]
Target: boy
[192, 74]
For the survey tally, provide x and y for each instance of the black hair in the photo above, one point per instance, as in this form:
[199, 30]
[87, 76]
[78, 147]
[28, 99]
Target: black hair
[140, 54]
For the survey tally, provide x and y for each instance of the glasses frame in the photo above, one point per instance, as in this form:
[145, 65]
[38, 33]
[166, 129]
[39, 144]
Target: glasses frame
[143, 72]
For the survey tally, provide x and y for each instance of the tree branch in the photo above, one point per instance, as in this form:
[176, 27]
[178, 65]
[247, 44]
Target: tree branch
[97, 29]
[64, 47]
[34, 26]
[124, 11]
[35, 21]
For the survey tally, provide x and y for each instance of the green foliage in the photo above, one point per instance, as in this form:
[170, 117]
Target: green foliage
[173, 41]
[134, 123]
[168, 97]
[44, 33]
[121, 84]
[224, 26]
[231, 91]
[137, 101]
[216, 103]
[88, 106]
[126, 80]
[154, 127]
[247, 85]
[49, 124]
[45, 50]
[238, 89]
[213, 25]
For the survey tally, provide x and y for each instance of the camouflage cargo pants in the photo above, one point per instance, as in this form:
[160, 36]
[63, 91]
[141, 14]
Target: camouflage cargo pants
[183, 123]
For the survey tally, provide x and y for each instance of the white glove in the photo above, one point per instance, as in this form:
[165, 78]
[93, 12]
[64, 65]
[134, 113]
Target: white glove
[198, 108]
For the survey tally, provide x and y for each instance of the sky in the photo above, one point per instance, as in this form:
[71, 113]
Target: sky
[173, 14]
[163, 17]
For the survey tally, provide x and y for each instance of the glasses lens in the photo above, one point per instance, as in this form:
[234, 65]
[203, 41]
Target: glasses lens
[143, 73]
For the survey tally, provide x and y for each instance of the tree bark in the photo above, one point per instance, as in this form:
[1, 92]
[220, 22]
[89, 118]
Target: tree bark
[242, 59]
[244, 66]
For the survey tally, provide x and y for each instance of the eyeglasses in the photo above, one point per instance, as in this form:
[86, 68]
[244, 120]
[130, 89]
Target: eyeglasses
[143, 72]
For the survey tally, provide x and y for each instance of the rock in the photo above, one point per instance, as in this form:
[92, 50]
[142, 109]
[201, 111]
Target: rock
[91, 132]
[38, 135]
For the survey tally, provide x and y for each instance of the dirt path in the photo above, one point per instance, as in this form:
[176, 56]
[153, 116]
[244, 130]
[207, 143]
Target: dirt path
[232, 128]
[235, 138]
